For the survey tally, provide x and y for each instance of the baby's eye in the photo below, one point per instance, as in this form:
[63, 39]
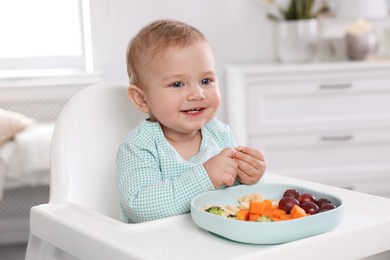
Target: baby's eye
[177, 84]
[206, 81]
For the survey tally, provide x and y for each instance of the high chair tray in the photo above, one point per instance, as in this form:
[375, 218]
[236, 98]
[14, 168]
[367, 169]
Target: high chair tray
[66, 230]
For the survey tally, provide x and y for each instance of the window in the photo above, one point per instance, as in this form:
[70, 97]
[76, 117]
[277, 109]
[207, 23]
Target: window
[45, 35]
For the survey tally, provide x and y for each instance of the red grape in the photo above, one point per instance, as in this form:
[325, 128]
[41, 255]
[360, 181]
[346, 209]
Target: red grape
[322, 201]
[306, 197]
[287, 203]
[326, 207]
[310, 207]
[291, 193]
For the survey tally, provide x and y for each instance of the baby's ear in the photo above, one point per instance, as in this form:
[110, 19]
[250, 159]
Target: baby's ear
[137, 96]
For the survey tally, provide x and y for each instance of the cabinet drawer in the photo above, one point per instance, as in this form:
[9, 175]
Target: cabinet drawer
[297, 106]
[336, 156]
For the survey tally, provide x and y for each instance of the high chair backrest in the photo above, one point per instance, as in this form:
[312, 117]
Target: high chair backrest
[87, 135]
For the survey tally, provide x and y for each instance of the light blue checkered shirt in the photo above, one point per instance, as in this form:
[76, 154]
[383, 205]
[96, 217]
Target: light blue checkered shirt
[154, 181]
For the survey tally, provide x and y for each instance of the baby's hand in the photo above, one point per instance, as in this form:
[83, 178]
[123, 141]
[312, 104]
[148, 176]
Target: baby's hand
[222, 168]
[251, 165]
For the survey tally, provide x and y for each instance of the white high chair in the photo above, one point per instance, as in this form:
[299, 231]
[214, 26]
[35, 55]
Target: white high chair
[81, 219]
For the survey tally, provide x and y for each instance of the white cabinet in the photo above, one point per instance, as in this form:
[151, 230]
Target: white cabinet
[328, 123]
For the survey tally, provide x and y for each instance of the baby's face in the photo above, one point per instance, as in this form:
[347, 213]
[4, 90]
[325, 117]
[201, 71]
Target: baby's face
[181, 88]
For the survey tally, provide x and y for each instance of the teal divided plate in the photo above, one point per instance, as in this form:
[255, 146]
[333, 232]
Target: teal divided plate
[263, 232]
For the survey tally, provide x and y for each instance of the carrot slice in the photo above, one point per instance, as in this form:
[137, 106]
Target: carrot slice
[298, 212]
[267, 204]
[253, 217]
[269, 212]
[278, 212]
[285, 217]
[256, 207]
[242, 214]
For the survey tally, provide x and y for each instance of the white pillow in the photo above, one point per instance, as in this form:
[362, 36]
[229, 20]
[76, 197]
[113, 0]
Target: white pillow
[11, 123]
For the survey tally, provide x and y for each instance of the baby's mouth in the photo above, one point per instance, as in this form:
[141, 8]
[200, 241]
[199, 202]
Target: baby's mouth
[193, 110]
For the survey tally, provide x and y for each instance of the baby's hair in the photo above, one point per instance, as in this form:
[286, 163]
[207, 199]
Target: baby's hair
[155, 37]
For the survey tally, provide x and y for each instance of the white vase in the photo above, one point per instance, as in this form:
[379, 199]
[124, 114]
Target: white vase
[359, 46]
[296, 40]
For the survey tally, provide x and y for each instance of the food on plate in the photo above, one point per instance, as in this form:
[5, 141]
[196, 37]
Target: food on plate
[251, 197]
[326, 206]
[297, 212]
[287, 203]
[291, 193]
[254, 207]
[216, 211]
[321, 201]
[310, 207]
[306, 197]
[264, 218]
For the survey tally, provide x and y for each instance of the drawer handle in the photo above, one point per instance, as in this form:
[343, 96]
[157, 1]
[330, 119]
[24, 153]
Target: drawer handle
[336, 86]
[339, 138]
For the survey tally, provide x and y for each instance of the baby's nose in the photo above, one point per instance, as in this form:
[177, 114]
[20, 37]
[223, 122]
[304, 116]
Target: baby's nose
[196, 92]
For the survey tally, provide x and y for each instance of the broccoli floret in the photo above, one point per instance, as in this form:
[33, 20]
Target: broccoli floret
[216, 211]
[264, 218]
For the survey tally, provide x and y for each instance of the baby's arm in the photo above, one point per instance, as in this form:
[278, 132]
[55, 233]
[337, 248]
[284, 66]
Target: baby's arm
[251, 165]
[146, 195]
[222, 168]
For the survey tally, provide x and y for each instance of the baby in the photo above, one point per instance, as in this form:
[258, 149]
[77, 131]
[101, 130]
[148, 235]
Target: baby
[181, 149]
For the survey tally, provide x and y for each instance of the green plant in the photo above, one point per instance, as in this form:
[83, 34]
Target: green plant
[297, 10]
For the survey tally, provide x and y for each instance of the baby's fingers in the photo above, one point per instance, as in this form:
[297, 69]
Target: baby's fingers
[246, 161]
[249, 173]
[247, 168]
[228, 180]
[244, 178]
[251, 152]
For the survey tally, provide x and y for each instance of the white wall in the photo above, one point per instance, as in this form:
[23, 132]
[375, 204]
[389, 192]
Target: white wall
[237, 30]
